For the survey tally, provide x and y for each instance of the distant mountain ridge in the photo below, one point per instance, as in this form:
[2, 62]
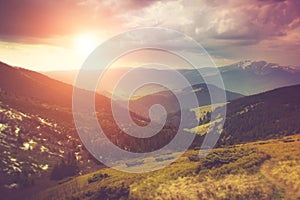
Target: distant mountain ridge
[253, 77]
[245, 77]
[170, 102]
[259, 67]
[36, 113]
[26, 83]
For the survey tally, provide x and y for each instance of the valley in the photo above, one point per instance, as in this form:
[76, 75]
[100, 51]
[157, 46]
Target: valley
[44, 158]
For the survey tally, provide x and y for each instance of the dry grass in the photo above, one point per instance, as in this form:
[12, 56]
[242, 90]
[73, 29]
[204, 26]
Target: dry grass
[231, 187]
[261, 170]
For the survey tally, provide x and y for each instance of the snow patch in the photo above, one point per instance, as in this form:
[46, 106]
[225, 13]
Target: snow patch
[13, 115]
[44, 167]
[17, 131]
[43, 121]
[44, 149]
[11, 186]
[29, 145]
[3, 127]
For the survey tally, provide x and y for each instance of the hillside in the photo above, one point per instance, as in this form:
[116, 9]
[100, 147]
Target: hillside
[260, 170]
[243, 166]
[40, 145]
[37, 134]
[36, 94]
[263, 116]
[169, 101]
[254, 111]
[32, 145]
[26, 83]
[267, 115]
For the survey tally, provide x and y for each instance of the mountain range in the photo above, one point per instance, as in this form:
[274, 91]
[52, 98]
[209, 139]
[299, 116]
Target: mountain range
[245, 77]
[38, 132]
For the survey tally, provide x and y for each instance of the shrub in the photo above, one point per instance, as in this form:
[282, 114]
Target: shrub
[65, 169]
[97, 177]
[113, 193]
[194, 158]
[232, 161]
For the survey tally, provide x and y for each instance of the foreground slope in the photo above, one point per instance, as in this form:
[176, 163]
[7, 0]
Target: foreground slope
[27, 119]
[261, 170]
[256, 159]
[36, 132]
[38, 137]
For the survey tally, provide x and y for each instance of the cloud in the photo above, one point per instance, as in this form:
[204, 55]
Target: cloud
[223, 27]
[245, 22]
[231, 20]
[31, 20]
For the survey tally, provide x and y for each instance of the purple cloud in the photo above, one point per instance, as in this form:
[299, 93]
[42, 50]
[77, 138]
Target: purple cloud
[22, 20]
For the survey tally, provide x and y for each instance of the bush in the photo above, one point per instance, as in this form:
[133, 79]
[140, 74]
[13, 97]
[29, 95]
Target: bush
[97, 177]
[65, 169]
[233, 161]
[113, 193]
[194, 158]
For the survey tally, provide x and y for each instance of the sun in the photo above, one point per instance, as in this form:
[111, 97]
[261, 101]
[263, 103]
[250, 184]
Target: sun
[85, 43]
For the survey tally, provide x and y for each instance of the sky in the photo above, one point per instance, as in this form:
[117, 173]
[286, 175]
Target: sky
[47, 35]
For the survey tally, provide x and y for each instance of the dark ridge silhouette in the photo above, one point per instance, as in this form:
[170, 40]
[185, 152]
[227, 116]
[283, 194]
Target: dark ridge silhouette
[272, 114]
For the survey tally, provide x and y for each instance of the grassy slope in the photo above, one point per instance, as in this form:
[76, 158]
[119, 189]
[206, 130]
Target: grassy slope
[260, 170]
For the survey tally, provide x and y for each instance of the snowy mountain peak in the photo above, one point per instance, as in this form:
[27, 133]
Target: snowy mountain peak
[259, 67]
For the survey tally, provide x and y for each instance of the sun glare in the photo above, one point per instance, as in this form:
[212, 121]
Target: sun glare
[85, 43]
